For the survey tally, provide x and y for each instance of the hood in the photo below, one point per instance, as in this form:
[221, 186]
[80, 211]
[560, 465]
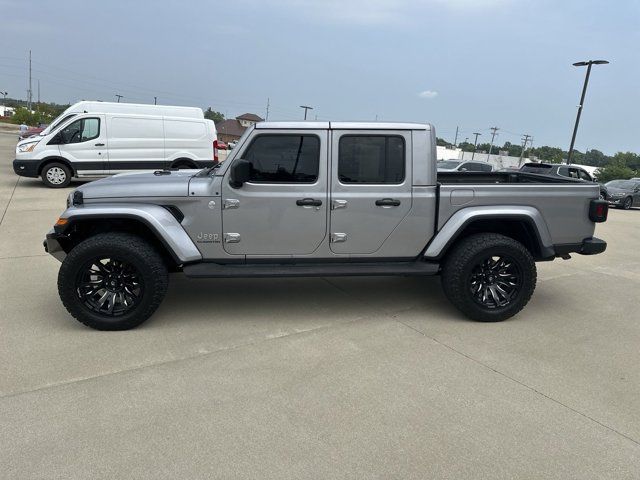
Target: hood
[614, 190]
[127, 185]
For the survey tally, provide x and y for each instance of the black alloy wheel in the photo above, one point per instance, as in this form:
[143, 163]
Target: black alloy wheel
[495, 281]
[109, 286]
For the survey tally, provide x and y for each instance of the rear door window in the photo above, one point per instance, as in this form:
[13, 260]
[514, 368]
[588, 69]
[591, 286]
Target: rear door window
[373, 159]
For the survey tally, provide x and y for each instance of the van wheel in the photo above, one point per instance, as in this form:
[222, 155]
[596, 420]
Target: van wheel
[489, 277]
[56, 175]
[184, 164]
[112, 281]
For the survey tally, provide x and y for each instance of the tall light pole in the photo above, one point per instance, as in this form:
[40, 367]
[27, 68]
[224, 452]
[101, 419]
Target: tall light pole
[305, 110]
[4, 97]
[155, 100]
[475, 145]
[118, 97]
[588, 64]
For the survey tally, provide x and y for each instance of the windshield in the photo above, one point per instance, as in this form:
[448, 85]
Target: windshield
[63, 117]
[620, 184]
[448, 164]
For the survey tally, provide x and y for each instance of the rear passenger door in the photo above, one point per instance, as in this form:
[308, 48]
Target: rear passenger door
[370, 188]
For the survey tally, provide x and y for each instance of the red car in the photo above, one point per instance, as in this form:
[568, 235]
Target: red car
[31, 132]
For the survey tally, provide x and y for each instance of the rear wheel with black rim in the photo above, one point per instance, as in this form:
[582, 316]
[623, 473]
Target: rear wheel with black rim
[112, 281]
[56, 175]
[489, 277]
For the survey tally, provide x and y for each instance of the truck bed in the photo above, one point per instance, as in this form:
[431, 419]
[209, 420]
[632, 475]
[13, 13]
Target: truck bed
[500, 177]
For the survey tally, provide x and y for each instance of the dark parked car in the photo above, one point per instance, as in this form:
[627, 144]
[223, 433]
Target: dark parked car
[562, 170]
[623, 193]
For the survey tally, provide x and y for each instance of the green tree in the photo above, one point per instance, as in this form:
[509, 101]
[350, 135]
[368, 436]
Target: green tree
[595, 158]
[548, 154]
[213, 115]
[441, 142]
[616, 169]
[22, 115]
[629, 159]
[466, 146]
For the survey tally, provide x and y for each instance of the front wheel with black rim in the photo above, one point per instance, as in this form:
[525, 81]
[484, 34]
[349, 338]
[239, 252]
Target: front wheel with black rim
[56, 175]
[489, 277]
[112, 281]
[628, 202]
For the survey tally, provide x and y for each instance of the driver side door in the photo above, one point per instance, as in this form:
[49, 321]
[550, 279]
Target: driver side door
[84, 143]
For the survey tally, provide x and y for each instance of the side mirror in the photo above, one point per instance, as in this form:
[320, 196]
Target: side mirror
[240, 173]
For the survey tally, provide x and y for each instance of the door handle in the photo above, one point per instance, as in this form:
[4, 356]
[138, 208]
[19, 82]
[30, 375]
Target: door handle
[99, 144]
[387, 202]
[308, 202]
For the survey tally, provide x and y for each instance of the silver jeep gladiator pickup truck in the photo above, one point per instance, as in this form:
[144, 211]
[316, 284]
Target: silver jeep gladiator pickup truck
[318, 199]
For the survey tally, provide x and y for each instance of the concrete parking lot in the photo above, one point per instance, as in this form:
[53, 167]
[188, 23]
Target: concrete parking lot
[318, 378]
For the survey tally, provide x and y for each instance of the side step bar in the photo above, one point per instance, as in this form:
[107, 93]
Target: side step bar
[216, 270]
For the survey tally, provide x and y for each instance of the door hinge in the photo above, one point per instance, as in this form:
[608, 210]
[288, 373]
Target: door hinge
[231, 238]
[230, 203]
[338, 237]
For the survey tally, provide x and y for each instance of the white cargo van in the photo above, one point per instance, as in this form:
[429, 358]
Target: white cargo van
[95, 139]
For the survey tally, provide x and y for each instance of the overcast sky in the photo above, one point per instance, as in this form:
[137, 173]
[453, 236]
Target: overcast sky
[471, 63]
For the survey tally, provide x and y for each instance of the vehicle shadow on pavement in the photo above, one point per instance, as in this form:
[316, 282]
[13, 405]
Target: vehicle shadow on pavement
[330, 299]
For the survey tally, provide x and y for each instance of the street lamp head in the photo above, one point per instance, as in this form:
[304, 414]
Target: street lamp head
[590, 62]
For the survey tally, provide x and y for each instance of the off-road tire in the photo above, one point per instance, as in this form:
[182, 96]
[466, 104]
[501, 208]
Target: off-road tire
[129, 248]
[51, 167]
[466, 255]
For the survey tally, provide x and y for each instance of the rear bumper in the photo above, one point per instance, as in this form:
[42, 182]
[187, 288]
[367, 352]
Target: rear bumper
[52, 245]
[589, 246]
[26, 168]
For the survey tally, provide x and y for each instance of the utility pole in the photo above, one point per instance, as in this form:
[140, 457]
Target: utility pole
[475, 145]
[525, 139]
[455, 140]
[305, 110]
[118, 97]
[4, 97]
[155, 100]
[30, 93]
[267, 115]
[38, 106]
[494, 131]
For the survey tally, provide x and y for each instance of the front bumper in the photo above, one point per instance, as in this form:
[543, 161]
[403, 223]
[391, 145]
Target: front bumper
[26, 168]
[589, 246]
[615, 201]
[52, 245]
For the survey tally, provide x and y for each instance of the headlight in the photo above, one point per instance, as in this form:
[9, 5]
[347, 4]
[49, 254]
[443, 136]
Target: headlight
[617, 195]
[27, 147]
